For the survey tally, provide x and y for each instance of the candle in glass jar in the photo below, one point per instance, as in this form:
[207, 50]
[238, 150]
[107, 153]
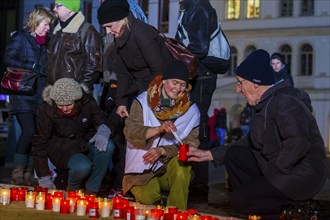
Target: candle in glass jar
[40, 201]
[56, 203]
[183, 152]
[48, 201]
[81, 207]
[105, 208]
[13, 194]
[5, 196]
[30, 199]
[73, 201]
[65, 206]
[93, 210]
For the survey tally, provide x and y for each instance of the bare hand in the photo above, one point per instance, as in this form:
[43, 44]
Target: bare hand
[122, 111]
[167, 126]
[198, 155]
[152, 155]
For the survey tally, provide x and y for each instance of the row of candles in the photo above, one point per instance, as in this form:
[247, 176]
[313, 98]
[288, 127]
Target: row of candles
[75, 201]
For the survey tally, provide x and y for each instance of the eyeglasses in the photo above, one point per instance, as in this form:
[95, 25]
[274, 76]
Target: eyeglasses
[57, 5]
[239, 83]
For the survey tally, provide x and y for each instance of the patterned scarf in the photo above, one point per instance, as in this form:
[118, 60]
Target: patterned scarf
[181, 105]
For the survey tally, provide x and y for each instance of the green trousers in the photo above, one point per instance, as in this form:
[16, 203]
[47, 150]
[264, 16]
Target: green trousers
[175, 180]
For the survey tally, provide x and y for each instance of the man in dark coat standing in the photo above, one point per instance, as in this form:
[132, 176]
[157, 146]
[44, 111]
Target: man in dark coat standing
[282, 160]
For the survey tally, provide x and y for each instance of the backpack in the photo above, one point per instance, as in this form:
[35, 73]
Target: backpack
[218, 58]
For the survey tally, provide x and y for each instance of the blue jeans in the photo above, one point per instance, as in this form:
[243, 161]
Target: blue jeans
[93, 165]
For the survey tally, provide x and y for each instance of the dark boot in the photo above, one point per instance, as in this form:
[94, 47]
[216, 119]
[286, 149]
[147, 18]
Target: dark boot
[17, 176]
[28, 177]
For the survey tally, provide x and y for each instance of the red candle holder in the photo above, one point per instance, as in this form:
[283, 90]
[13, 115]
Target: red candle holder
[93, 210]
[59, 194]
[206, 217]
[156, 214]
[168, 216]
[172, 210]
[14, 194]
[192, 211]
[182, 216]
[129, 213]
[65, 206]
[183, 152]
[48, 202]
[21, 195]
[118, 208]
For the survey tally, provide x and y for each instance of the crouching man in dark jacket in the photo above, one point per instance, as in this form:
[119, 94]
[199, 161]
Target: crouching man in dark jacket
[74, 133]
[282, 160]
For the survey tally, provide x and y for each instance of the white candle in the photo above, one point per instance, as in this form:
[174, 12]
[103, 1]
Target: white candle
[72, 204]
[105, 209]
[5, 196]
[81, 207]
[40, 202]
[56, 204]
[29, 201]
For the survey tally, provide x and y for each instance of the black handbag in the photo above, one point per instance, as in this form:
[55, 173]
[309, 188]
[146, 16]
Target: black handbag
[19, 81]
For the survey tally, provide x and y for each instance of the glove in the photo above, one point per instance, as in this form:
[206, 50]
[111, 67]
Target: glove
[38, 69]
[46, 182]
[101, 138]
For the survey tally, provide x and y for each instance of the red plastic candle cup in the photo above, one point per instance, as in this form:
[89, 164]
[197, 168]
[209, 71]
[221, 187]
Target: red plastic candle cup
[65, 206]
[48, 202]
[21, 195]
[183, 152]
[93, 210]
[168, 216]
[13, 194]
[172, 210]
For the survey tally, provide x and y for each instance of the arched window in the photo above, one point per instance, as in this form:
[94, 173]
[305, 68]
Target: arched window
[233, 61]
[249, 50]
[306, 60]
[286, 52]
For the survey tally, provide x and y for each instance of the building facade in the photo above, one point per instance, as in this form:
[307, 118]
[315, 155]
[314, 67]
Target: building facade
[299, 29]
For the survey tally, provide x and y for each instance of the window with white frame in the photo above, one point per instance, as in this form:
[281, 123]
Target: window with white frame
[233, 9]
[306, 60]
[286, 8]
[253, 8]
[286, 52]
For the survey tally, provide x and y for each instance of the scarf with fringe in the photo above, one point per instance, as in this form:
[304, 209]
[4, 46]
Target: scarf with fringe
[181, 105]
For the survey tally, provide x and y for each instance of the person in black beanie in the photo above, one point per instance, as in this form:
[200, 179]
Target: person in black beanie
[282, 160]
[141, 51]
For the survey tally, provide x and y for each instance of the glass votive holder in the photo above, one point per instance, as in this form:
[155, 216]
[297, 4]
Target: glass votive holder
[105, 208]
[40, 201]
[30, 199]
[56, 203]
[81, 207]
[5, 196]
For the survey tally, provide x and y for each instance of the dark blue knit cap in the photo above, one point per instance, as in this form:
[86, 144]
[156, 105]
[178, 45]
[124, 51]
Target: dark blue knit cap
[256, 68]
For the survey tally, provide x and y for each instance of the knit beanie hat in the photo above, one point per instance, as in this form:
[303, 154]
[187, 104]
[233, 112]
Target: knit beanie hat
[112, 10]
[256, 68]
[176, 69]
[73, 5]
[65, 91]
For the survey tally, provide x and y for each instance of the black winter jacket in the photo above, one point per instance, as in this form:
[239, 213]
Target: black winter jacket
[142, 55]
[286, 142]
[58, 137]
[23, 52]
[197, 21]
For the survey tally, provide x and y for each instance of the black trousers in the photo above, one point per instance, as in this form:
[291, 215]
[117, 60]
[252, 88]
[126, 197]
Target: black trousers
[252, 192]
[201, 94]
